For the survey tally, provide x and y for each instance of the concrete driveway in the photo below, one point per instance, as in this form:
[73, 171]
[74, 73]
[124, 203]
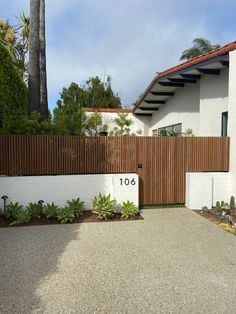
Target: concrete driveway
[174, 261]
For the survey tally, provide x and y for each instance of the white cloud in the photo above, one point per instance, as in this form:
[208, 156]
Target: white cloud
[128, 39]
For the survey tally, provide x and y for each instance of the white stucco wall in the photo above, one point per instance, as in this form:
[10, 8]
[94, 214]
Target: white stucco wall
[140, 123]
[213, 101]
[59, 189]
[206, 188]
[183, 108]
[232, 119]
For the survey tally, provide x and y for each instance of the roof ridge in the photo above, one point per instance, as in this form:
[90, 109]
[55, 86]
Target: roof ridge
[204, 57]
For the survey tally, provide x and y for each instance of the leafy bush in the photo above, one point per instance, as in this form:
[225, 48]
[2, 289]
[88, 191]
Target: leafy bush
[127, 209]
[21, 216]
[65, 214]
[12, 210]
[35, 210]
[77, 206]
[13, 95]
[50, 210]
[103, 206]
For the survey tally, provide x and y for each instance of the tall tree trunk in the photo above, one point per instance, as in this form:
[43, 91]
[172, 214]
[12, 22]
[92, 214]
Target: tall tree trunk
[42, 63]
[34, 75]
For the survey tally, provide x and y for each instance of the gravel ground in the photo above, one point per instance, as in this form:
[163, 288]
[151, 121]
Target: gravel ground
[174, 261]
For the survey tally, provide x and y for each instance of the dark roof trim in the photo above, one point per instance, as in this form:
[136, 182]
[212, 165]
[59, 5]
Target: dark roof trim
[189, 65]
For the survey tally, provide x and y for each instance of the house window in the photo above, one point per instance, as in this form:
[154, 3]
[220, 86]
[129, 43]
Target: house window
[154, 132]
[174, 129]
[224, 123]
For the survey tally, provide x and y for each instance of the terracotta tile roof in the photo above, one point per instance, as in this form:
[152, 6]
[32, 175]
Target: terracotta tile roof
[205, 57]
[107, 110]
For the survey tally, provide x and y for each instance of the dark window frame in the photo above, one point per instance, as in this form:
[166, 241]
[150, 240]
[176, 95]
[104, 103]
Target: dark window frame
[224, 124]
[170, 126]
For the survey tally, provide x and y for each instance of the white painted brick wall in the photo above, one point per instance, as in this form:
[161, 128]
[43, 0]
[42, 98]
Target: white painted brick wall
[58, 189]
[205, 188]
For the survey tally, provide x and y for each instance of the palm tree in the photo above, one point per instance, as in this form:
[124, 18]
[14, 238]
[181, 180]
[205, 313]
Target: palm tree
[34, 73]
[23, 44]
[42, 63]
[200, 46]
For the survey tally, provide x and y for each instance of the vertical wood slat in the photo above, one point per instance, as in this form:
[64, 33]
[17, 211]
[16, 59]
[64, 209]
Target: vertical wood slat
[165, 160]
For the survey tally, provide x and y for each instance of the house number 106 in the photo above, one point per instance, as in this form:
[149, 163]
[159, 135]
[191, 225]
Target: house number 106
[127, 181]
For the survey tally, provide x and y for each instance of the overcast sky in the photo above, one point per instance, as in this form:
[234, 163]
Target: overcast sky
[130, 40]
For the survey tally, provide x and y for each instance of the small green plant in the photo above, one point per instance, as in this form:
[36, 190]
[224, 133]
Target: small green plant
[77, 206]
[127, 209]
[103, 206]
[21, 216]
[35, 210]
[222, 204]
[65, 214]
[232, 202]
[11, 210]
[50, 210]
[188, 132]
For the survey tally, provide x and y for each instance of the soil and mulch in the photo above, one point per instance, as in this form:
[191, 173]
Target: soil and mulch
[227, 221]
[87, 216]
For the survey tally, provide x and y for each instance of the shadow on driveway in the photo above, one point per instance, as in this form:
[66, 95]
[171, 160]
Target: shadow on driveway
[28, 255]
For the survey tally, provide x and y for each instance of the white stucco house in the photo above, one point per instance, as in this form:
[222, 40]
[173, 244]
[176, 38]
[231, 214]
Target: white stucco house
[199, 94]
[196, 94]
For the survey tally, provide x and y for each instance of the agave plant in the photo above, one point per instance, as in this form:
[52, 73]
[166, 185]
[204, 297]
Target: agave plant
[11, 210]
[127, 209]
[77, 206]
[65, 214]
[104, 206]
[21, 216]
[50, 210]
[35, 210]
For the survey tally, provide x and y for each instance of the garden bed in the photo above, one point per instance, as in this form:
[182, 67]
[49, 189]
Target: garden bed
[220, 221]
[87, 216]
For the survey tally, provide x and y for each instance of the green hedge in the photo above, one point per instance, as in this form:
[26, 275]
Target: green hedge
[13, 96]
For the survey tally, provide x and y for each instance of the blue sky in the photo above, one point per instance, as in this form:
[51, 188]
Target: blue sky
[130, 40]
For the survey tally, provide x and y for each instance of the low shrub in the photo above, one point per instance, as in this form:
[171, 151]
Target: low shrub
[21, 216]
[65, 214]
[35, 210]
[50, 210]
[128, 209]
[77, 206]
[11, 210]
[103, 206]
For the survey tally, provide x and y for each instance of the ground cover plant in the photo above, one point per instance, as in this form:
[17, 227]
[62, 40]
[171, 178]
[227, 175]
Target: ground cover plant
[104, 208]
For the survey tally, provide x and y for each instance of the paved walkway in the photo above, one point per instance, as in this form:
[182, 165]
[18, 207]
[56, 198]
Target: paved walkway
[174, 261]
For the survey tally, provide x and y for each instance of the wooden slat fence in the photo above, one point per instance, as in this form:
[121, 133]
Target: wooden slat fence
[164, 160]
